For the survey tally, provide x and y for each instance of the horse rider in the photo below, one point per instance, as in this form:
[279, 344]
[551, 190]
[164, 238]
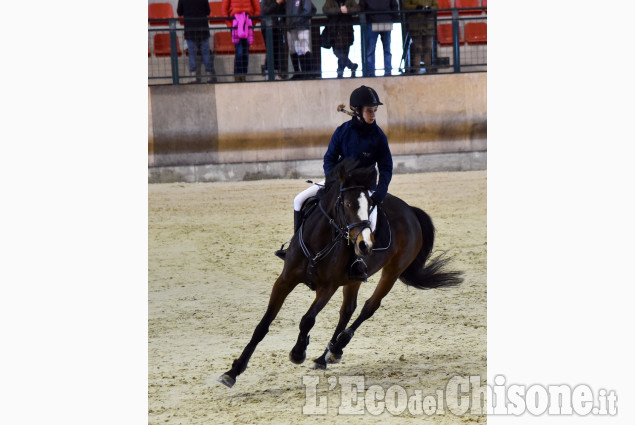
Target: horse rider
[363, 140]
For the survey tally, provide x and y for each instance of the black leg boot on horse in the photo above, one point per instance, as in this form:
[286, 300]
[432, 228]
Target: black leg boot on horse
[358, 270]
[297, 220]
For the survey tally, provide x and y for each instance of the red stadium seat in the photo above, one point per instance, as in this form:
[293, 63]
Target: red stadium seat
[216, 12]
[444, 35]
[258, 45]
[445, 4]
[476, 32]
[485, 6]
[162, 46]
[467, 3]
[160, 11]
[223, 43]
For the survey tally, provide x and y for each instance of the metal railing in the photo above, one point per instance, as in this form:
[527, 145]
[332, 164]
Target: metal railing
[270, 59]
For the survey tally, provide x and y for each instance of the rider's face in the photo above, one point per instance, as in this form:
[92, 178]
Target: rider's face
[368, 114]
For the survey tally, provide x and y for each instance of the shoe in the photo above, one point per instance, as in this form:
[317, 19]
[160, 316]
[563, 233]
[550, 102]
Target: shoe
[281, 253]
[353, 67]
[358, 270]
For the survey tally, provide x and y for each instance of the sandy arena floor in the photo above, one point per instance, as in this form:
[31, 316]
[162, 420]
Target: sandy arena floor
[211, 268]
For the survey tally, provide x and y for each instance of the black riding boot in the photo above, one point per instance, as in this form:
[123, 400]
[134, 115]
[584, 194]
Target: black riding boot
[358, 270]
[306, 61]
[295, 61]
[297, 220]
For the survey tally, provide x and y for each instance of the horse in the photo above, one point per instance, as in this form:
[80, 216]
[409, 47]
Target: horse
[335, 232]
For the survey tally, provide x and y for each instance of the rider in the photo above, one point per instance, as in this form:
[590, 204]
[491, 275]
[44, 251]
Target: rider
[361, 139]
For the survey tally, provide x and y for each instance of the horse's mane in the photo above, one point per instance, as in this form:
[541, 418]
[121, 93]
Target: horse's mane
[348, 172]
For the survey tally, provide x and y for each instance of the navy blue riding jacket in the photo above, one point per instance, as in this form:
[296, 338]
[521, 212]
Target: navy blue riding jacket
[368, 144]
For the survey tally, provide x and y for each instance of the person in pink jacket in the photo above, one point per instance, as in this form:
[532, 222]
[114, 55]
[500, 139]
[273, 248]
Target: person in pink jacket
[233, 8]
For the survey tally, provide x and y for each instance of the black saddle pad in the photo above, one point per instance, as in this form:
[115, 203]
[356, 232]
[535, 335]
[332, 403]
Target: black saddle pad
[383, 235]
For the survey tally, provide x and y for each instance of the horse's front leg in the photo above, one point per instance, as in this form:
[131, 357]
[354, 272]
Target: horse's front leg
[322, 296]
[281, 289]
[370, 306]
[349, 304]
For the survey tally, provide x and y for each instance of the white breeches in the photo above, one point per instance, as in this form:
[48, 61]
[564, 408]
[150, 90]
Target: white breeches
[299, 200]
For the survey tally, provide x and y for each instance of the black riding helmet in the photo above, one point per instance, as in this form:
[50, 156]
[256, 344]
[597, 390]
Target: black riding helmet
[364, 96]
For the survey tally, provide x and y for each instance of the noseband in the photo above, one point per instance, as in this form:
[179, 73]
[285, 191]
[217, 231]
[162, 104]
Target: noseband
[363, 224]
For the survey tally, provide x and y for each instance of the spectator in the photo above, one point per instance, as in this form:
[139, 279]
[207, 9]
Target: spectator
[379, 25]
[279, 49]
[233, 8]
[421, 30]
[299, 14]
[195, 13]
[340, 22]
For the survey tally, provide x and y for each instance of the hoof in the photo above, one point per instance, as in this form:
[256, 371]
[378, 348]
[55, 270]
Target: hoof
[295, 360]
[319, 364]
[333, 358]
[227, 380]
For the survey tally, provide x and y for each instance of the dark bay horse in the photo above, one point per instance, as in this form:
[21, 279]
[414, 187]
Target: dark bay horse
[322, 250]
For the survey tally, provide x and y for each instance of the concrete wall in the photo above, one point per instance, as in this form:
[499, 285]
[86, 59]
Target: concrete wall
[291, 121]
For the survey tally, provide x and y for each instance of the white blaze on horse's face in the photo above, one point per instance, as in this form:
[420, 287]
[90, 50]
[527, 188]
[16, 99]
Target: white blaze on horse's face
[365, 235]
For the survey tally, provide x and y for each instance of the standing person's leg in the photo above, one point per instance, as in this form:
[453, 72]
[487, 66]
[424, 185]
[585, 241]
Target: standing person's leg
[304, 54]
[371, 42]
[191, 51]
[349, 63]
[208, 61]
[293, 43]
[417, 50]
[427, 45]
[241, 60]
[198, 52]
[245, 56]
[342, 60]
[385, 42]
[237, 59]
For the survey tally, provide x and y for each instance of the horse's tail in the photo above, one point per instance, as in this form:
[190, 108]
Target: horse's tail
[432, 275]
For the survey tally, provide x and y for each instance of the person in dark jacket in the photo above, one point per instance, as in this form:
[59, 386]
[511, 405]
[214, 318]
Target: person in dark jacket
[340, 22]
[360, 139]
[421, 31]
[195, 13]
[276, 9]
[379, 25]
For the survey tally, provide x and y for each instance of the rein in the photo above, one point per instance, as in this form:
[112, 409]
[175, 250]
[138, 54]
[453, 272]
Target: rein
[342, 232]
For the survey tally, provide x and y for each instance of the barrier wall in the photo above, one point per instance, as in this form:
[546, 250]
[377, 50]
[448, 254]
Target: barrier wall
[206, 124]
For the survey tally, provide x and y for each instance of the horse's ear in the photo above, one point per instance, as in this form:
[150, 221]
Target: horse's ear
[341, 174]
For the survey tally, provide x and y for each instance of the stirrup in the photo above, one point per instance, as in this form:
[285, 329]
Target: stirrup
[358, 270]
[282, 252]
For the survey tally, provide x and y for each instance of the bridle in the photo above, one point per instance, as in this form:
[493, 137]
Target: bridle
[338, 203]
[342, 231]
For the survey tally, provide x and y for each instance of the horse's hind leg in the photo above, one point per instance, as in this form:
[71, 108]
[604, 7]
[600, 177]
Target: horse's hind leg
[322, 296]
[370, 306]
[281, 289]
[349, 303]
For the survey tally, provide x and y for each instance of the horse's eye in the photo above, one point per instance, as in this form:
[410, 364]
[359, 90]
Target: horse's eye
[348, 204]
